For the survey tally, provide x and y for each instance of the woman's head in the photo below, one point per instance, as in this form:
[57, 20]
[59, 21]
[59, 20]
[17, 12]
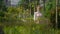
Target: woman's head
[38, 7]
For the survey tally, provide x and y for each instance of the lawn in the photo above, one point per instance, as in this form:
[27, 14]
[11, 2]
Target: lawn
[30, 29]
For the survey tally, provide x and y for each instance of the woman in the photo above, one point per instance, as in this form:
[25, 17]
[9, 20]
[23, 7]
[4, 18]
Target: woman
[37, 14]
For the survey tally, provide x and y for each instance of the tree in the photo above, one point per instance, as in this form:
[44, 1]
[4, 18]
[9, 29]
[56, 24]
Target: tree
[29, 4]
[3, 9]
[50, 5]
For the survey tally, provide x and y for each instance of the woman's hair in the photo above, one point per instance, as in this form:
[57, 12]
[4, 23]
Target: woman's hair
[38, 7]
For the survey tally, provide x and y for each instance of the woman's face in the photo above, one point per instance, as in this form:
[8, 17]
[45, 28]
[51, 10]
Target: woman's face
[38, 7]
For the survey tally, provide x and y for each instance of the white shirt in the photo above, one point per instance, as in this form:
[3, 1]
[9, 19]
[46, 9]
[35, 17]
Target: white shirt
[36, 15]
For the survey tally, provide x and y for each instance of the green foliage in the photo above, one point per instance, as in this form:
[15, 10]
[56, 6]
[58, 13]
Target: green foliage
[15, 16]
[29, 29]
[11, 14]
[2, 10]
[1, 4]
[28, 4]
[49, 6]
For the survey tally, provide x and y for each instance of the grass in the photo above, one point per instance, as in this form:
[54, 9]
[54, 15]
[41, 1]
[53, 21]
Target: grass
[29, 27]
[33, 29]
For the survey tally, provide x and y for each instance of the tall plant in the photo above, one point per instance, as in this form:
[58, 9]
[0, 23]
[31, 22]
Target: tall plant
[48, 6]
